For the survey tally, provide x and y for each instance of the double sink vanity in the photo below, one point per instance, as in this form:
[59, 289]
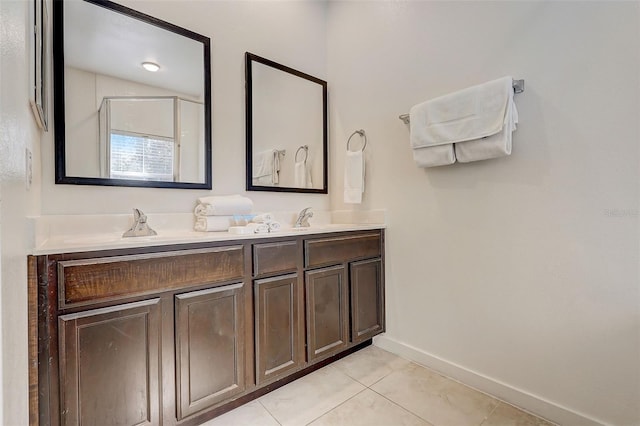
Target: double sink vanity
[179, 332]
[177, 328]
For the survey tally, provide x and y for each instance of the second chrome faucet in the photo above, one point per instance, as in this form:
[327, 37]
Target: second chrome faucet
[303, 218]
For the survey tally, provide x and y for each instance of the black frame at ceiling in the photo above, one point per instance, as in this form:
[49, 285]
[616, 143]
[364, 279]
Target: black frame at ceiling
[59, 100]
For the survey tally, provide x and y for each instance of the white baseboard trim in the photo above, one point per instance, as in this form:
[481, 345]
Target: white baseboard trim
[528, 402]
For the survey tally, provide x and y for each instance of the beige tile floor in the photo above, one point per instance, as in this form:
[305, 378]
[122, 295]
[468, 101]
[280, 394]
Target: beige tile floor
[373, 387]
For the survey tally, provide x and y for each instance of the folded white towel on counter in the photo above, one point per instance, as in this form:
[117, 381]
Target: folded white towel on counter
[223, 205]
[432, 156]
[494, 146]
[274, 226]
[353, 177]
[302, 175]
[257, 228]
[213, 223]
[262, 218]
[472, 113]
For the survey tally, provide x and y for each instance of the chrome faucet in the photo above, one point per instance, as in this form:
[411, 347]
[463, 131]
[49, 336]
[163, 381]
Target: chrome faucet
[140, 228]
[303, 218]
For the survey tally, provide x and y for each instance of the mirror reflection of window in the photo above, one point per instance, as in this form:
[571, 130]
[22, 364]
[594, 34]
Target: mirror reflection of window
[151, 138]
[141, 157]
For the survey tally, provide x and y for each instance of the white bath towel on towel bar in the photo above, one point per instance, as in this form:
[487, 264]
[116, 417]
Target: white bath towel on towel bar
[494, 146]
[467, 115]
[432, 156]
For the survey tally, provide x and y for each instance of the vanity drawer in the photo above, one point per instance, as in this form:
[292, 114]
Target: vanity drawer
[86, 281]
[329, 251]
[272, 258]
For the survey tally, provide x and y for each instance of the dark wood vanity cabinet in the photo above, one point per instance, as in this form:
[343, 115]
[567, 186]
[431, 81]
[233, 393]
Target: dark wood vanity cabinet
[361, 254]
[279, 314]
[209, 340]
[178, 335]
[327, 311]
[110, 365]
[367, 299]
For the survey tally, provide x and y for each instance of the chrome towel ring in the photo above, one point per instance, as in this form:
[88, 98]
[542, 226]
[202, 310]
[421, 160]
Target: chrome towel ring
[306, 153]
[362, 134]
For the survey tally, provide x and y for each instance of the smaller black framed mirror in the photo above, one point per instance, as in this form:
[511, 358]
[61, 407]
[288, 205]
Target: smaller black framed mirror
[286, 125]
[132, 98]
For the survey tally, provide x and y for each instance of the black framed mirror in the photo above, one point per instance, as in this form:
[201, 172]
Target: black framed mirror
[132, 98]
[286, 114]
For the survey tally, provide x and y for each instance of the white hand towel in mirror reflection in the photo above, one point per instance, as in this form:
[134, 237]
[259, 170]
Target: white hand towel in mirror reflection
[266, 167]
[353, 177]
[302, 174]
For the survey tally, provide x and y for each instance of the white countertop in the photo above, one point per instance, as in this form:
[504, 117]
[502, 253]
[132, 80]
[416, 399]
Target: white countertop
[56, 234]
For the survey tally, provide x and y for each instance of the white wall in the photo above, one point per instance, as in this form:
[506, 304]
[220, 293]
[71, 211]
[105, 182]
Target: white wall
[519, 274]
[18, 132]
[288, 32]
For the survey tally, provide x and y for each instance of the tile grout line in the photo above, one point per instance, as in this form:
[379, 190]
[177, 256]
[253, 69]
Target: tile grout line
[491, 413]
[269, 412]
[403, 408]
[342, 403]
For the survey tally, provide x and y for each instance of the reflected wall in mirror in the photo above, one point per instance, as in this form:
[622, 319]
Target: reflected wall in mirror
[132, 98]
[286, 112]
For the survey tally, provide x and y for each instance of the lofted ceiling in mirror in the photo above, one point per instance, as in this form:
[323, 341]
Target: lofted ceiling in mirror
[132, 98]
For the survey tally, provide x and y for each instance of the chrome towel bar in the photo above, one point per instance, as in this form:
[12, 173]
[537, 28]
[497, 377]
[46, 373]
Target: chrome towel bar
[518, 87]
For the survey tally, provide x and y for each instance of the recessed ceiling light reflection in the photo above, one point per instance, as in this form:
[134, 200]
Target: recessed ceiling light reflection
[150, 66]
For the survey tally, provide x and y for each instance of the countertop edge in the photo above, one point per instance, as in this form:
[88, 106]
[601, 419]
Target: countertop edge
[100, 242]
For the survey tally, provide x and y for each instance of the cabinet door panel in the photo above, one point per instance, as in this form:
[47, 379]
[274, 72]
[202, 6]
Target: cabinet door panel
[110, 365]
[327, 312]
[209, 347]
[278, 326]
[367, 299]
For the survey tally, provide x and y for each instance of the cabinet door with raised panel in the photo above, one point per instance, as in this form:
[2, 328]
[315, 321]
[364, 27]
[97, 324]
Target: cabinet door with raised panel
[110, 371]
[327, 312]
[209, 335]
[367, 299]
[279, 320]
